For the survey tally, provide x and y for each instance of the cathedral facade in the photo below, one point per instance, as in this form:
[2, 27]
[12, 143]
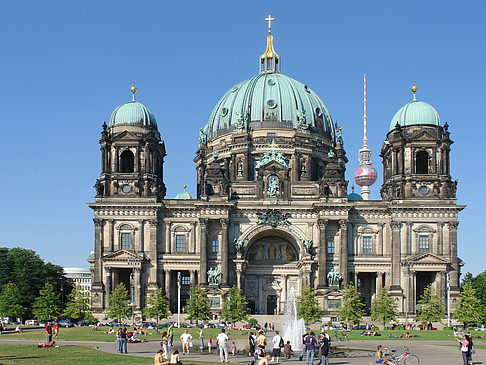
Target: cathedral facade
[272, 212]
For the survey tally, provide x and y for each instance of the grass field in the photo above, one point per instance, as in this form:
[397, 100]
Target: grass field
[29, 354]
[422, 335]
[86, 334]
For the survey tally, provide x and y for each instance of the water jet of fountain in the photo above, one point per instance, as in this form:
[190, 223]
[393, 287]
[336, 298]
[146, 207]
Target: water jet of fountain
[293, 327]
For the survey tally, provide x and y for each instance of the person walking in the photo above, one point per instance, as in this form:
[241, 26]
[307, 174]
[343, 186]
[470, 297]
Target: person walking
[171, 335]
[310, 348]
[223, 345]
[277, 342]
[48, 332]
[261, 343]
[201, 338]
[210, 343]
[123, 340]
[252, 344]
[185, 339]
[56, 329]
[324, 346]
[165, 345]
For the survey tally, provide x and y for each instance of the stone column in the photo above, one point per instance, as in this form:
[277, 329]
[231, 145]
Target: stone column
[283, 299]
[378, 283]
[137, 286]
[203, 253]
[108, 285]
[111, 235]
[454, 283]
[260, 295]
[395, 272]
[224, 252]
[379, 246]
[408, 242]
[440, 243]
[343, 252]
[167, 284]
[98, 252]
[355, 279]
[322, 242]
[153, 254]
[193, 277]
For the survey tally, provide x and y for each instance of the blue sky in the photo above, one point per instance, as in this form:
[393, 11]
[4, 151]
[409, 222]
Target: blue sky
[66, 65]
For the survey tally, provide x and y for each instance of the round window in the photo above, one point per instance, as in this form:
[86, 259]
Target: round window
[271, 104]
[126, 188]
[224, 112]
[271, 82]
[318, 111]
[424, 190]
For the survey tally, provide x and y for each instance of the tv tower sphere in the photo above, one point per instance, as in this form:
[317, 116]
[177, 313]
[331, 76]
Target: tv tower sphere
[365, 175]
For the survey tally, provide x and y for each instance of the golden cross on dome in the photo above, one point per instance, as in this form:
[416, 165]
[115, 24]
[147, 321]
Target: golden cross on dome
[269, 19]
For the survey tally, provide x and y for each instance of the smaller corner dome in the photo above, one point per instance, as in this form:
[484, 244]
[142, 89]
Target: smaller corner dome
[184, 196]
[132, 113]
[415, 113]
[354, 197]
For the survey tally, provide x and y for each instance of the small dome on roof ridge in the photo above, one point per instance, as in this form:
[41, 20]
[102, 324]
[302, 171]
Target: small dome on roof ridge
[184, 195]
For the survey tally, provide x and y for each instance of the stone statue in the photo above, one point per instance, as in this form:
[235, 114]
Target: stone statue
[239, 245]
[100, 189]
[308, 246]
[274, 218]
[333, 278]
[339, 133]
[202, 135]
[241, 121]
[214, 276]
[273, 187]
[301, 120]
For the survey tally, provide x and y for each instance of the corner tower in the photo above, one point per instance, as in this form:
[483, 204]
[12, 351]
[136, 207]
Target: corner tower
[416, 154]
[132, 154]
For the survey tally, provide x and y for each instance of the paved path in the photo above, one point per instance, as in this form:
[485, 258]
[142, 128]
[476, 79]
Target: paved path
[430, 352]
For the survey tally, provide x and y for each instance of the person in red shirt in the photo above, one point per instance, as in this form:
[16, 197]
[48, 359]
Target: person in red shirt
[48, 331]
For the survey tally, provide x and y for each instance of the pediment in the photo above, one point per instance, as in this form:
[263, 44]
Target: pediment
[423, 136]
[125, 135]
[123, 256]
[427, 258]
[273, 165]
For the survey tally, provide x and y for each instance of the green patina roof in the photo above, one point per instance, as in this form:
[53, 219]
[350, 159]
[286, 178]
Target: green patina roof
[354, 197]
[184, 195]
[132, 113]
[415, 113]
[270, 100]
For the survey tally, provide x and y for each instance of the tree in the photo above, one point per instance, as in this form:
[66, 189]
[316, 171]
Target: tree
[235, 307]
[118, 303]
[352, 308]
[198, 305]
[383, 308]
[157, 306]
[478, 283]
[307, 305]
[11, 302]
[29, 273]
[469, 308]
[47, 304]
[77, 306]
[430, 306]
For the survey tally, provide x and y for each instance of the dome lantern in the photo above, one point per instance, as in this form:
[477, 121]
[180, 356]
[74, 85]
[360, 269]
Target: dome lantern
[132, 113]
[270, 60]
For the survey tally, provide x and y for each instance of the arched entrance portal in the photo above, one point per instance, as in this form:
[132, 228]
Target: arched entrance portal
[271, 271]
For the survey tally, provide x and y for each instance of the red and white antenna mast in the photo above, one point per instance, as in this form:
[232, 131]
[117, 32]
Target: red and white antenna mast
[365, 138]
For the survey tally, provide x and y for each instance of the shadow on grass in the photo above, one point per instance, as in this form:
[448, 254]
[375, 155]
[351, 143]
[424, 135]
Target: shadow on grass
[13, 357]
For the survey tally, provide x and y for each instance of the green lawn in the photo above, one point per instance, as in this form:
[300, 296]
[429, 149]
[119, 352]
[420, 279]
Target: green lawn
[422, 335]
[30, 354]
[86, 334]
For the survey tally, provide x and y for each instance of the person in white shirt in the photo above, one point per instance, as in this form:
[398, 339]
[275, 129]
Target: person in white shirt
[277, 343]
[185, 339]
[223, 345]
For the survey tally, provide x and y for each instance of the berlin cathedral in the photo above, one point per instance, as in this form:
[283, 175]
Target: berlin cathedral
[273, 212]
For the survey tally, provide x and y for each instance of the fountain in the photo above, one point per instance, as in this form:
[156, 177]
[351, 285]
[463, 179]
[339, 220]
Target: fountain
[293, 327]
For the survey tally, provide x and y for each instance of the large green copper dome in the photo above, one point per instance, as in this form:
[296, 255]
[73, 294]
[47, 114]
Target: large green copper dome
[132, 113]
[415, 113]
[270, 100]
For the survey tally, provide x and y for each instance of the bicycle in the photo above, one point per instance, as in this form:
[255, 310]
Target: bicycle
[405, 358]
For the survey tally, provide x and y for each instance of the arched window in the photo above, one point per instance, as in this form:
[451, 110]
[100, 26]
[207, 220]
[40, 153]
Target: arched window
[126, 165]
[422, 162]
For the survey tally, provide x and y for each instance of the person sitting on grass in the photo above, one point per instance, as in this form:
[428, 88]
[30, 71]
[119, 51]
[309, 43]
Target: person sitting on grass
[18, 329]
[380, 355]
[175, 359]
[158, 358]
